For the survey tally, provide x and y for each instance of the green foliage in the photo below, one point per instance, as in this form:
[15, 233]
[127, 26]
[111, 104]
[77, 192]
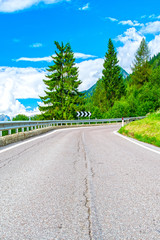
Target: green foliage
[142, 93]
[155, 77]
[141, 67]
[112, 77]
[20, 117]
[37, 117]
[111, 97]
[154, 116]
[99, 97]
[62, 98]
[110, 87]
[155, 61]
[119, 109]
[146, 130]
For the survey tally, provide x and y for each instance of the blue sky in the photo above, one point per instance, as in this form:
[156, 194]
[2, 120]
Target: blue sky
[30, 27]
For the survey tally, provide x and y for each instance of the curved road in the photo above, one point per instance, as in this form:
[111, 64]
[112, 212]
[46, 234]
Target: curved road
[80, 184]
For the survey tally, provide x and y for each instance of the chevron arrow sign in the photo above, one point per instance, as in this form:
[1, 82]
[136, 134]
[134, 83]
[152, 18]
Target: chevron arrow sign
[83, 114]
[78, 114]
[89, 114]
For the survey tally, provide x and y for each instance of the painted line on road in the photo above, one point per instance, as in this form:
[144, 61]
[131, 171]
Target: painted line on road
[39, 137]
[137, 143]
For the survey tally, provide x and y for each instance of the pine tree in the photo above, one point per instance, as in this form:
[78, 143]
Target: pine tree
[141, 67]
[62, 98]
[112, 76]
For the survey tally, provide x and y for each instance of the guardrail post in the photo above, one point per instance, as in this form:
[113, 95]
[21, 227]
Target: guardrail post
[16, 130]
[32, 128]
[9, 132]
[22, 129]
[27, 128]
[0, 133]
[122, 122]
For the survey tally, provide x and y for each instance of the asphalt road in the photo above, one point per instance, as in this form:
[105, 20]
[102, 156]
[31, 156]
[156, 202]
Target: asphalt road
[80, 184]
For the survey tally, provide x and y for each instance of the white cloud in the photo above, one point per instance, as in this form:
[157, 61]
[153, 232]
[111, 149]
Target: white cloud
[151, 27]
[130, 34]
[154, 45]
[19, 83]
[131, 23]
[45, 59]
[126, 22]
[85, 7]
[89, 72]
[49, 59]
[16, 5]
[83, 56]
[152, 16]
[112, 19]
[36, 45]
[26, 82]
[131, 40]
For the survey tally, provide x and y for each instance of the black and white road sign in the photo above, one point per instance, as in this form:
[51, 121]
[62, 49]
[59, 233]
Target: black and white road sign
[89, 114]
[83, 114]
[78, 114]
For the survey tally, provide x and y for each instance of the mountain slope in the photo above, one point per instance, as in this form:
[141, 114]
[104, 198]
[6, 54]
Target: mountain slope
[4, 117]
[91, 90]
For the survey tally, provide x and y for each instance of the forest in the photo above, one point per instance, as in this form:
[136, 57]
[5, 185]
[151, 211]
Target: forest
[114, 95]
[139, 93]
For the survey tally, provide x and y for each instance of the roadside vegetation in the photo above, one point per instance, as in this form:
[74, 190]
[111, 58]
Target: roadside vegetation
[113, 96]
[146, 130]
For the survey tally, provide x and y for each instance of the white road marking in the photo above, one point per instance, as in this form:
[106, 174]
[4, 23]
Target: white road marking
[137, 143]
[39, 137]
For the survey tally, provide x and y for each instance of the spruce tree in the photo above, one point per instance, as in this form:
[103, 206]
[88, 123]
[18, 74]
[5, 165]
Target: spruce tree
[141, 67]
[62, 98]
[112, 76]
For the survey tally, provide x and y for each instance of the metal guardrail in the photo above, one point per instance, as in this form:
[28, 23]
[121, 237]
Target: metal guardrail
[31, 125]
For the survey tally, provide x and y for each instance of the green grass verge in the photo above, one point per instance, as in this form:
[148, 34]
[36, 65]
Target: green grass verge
[145, 130]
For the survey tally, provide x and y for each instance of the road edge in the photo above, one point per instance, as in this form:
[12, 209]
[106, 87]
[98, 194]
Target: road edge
[141, 144]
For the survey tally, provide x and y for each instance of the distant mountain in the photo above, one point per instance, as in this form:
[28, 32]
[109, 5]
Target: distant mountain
[124, 73]
[91, 90]
[4, 118]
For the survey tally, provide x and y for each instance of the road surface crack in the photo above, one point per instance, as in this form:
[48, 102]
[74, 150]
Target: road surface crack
[94, 227]
[87, 205]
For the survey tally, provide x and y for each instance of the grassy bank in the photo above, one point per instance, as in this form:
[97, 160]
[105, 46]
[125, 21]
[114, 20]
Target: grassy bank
[145, 130]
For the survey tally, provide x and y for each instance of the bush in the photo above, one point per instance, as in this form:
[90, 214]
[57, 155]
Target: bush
[20, 117]
[119, 109]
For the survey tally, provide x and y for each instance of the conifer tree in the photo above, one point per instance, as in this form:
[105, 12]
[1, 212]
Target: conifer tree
[112, 76]
[141, 67]
[62, 98]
